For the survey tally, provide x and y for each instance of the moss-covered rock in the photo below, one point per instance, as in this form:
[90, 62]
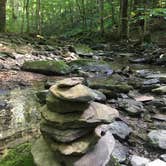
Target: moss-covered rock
[18, 156]
[47, 67]
[114, 86]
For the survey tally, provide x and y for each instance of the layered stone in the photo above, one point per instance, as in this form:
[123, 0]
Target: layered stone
[63, 136]
[77, 93]
[95, 114]
[63, 106]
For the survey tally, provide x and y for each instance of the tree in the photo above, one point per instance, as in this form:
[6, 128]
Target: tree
[124, 19]
[2, 15]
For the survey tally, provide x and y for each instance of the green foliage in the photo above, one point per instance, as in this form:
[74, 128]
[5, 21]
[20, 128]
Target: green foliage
[18, 156]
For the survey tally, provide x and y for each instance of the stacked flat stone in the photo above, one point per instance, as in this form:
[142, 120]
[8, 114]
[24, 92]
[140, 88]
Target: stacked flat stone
[70, 127]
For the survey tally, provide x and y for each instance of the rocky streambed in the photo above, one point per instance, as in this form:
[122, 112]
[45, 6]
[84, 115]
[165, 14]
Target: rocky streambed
[137, 91]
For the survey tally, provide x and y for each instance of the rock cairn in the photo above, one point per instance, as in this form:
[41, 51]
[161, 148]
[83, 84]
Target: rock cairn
[71, 127]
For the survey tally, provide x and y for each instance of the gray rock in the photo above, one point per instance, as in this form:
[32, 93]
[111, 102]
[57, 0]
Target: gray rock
[77, 93]
[63, 106]
[158, 138]
[120, 152]
[47, 67]
[163, 157]
[95, 114]
[151, 81]
[120, 129]
[100, 155]
[131, 106]
[160, 90]
[156, 163]
[139, 161]
[63, 136]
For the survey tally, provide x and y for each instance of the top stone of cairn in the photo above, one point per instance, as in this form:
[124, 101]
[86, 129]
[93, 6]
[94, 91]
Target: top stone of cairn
[71, 89]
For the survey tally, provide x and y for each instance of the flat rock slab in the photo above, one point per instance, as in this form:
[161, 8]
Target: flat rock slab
[77, 93]
[158, 138]
[70, 82]
[63, 136]
[160, 90]
[144, 98]
[63, 106]
[100, 155]
[77, 147]
[47, 67]
[96, 113]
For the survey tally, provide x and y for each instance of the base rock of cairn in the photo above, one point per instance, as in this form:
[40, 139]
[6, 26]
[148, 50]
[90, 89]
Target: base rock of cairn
[71, 127]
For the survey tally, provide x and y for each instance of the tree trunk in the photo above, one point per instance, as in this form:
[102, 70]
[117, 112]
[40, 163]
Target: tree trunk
[27, 15]
[2, 15]
[101, 9]
[124, 19]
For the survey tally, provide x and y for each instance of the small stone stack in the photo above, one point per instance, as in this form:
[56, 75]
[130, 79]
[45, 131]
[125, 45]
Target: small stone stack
[70, 127]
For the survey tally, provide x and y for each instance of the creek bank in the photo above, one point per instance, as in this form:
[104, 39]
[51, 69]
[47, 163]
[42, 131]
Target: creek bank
[128, 87]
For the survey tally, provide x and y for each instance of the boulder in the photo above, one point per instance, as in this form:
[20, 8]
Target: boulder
[157, 138]
[120, 129]
[100, 155]
[139, 161]
[96, 113]
[63, 136]
[77, 93]
[156, 162]
[131, 106]
[47, 67]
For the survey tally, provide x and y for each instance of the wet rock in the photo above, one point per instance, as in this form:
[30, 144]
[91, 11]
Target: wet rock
[131, 106]
[100, 154]
[95, 113]
[160, 90]
[78, 93]
[139, 161]
[63, 136]
[163, 157]
[120, 152]
[157, 138]
[47, 67]
[97, 68]
[157, 162]
[120, 129]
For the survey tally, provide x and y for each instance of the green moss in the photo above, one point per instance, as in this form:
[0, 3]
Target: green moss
[110, 84]
[18, 156]
[47, 67]
[82, 48]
